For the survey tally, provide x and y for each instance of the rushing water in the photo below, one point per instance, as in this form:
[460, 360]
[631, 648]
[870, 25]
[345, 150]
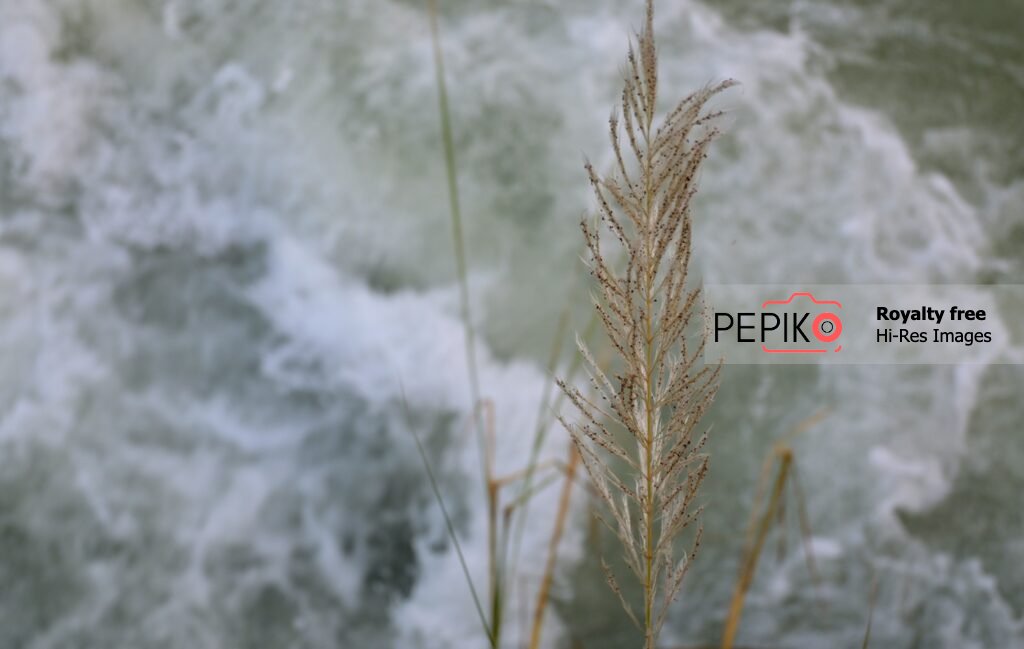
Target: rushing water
[226, 269]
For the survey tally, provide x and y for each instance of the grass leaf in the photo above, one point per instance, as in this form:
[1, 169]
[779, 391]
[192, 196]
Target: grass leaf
[449, 525]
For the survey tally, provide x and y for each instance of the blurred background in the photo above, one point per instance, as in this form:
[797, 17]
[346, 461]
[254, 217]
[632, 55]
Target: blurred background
[226, 268]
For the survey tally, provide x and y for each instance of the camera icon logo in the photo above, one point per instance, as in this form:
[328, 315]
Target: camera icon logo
[826, 326]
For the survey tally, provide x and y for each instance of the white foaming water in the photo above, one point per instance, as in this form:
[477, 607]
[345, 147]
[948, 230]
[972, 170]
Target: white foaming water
[224, 252]
[212, 403]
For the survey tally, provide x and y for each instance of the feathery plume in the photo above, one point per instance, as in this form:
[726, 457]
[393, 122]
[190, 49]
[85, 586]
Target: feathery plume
[645, 418]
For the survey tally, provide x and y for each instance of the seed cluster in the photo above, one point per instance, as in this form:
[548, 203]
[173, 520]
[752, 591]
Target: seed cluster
[638, 435]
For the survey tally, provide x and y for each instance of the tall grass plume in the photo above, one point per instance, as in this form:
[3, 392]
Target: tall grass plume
[639, 435]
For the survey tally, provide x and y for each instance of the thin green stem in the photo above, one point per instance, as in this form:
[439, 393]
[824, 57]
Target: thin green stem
[457, 236]
[449, 525]
[871, 611]
[545, 417]
[540, 432]
[466, 310]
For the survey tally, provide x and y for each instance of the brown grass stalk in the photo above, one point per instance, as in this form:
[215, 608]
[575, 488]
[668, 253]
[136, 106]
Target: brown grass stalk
[753, 553]
[762, 520]
[556, 538]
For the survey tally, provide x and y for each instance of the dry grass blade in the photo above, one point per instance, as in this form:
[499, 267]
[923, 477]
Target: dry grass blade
[556, 537]
[762, 519]
[646, 417]
[753, 553]
[805, 532]
[544, 419]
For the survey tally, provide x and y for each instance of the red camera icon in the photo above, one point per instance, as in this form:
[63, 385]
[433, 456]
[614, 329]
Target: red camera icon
[826, 327]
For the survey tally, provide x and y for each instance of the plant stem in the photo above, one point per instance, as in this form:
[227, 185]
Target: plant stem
[457, 237]
[556, 537]
[466, 312]
[750, 561]
[449, 525]
[649, 404]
